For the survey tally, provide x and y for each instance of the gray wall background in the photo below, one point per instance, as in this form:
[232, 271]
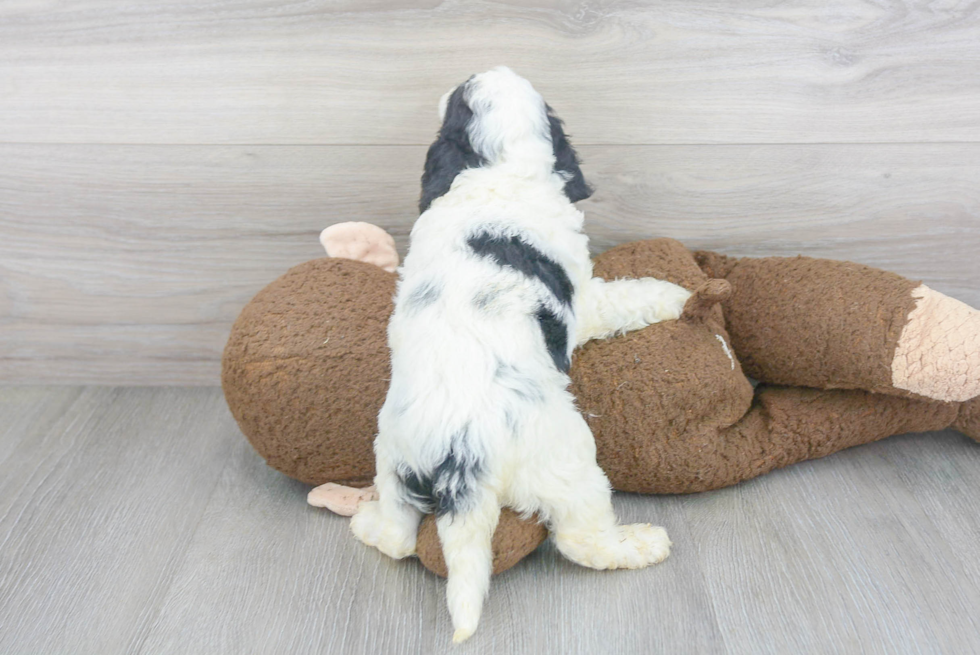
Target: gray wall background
[159, 164]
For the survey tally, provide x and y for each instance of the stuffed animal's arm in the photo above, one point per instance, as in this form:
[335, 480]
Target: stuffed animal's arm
[340, 499]
[603, 309]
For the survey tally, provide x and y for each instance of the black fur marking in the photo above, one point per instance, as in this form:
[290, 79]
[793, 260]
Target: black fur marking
[448, 488]
[451, 153]
[555, 337]
[567, 161]
[523, 257]
[423, 295]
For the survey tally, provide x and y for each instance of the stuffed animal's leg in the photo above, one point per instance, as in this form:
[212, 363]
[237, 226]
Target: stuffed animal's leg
[968, 419]
[466, 539]
[787, 425]
[389, 524]
[830, 324]
[938, 352]
[603, 308]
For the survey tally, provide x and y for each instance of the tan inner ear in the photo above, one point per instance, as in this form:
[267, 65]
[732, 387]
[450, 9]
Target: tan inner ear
[938, 353]
[363, 242]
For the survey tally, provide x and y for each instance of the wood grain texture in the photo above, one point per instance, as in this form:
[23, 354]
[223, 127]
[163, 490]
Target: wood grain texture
[97, 503]
[140, 521]
[892, 585]
[293, 579]
[30, 411]
[127, 264]
[258, 71]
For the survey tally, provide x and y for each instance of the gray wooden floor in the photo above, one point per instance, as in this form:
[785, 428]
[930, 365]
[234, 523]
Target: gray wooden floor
[138, 520]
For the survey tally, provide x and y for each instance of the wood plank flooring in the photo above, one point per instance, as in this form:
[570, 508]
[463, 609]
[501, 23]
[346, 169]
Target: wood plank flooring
[138, 520]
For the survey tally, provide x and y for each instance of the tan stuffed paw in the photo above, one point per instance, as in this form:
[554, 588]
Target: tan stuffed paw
[361, 241]
[340, 499]
[938, 352]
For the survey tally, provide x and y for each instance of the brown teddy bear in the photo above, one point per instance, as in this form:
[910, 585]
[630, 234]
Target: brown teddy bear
[845, 354]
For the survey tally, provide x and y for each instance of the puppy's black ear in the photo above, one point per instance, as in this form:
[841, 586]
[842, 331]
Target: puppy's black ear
[566, 161]
[451, 152]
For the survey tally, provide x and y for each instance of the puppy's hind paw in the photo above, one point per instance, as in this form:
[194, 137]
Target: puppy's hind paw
[374, 529]
[366, 523]
[651, 542]
[625, 547]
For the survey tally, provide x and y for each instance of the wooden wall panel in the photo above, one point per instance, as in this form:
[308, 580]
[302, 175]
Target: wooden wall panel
[127, 264]
[159, 163]
[302, 72]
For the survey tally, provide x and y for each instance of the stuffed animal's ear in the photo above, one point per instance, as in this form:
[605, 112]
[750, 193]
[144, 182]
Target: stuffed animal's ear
[567, 162]
[361, 241]
[452, 151]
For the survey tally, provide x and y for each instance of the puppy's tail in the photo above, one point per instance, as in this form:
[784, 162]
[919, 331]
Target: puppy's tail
[465, 538]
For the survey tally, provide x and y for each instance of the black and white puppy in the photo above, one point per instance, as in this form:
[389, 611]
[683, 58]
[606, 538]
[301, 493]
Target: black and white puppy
[494, 294]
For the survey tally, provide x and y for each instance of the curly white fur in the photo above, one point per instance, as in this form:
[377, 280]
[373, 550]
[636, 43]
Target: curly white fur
[478, 414]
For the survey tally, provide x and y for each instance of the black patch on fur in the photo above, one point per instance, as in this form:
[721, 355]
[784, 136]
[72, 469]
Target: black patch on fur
[451, 153]
[522, 256]
[516, 253]
[423, 295]
[555, 338]
[447, 489]
[567, 161]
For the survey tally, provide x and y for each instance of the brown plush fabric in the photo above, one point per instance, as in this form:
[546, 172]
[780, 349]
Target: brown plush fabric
[968, 419]
[662, 390]
[664, 259]
[513, 540]
[792, 424]
[814, 322]
[655, 397]
[306, 366]
[702, 305]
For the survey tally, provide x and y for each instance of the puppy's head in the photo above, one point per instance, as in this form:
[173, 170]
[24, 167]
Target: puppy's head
[494, 118]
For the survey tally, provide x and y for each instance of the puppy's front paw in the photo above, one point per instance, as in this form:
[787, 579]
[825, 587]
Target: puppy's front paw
[667, 303]
[674, 303]
[374, 529]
